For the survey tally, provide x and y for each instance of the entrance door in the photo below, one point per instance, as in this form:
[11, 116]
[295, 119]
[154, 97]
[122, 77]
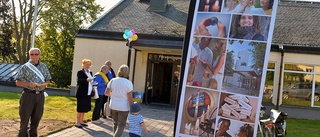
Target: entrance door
[161, 81]
[162, 78]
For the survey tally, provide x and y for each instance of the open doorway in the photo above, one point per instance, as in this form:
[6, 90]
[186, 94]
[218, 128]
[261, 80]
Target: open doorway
[161, 82]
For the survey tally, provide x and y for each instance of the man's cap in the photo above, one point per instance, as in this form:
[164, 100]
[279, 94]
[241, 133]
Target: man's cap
[135, 107]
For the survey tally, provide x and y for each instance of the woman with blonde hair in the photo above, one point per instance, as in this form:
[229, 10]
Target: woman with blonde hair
[83, 95]
[120, 90]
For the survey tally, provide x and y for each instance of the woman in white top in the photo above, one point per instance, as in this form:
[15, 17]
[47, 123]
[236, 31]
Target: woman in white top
[216, 68]
[120, 90]
[230, 6]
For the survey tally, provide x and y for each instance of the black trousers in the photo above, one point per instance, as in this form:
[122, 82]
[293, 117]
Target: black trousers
[99, 102]
[31, 107]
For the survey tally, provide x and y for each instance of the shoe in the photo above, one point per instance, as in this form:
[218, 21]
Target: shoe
[96, 121]
[104, 117]
[85, 125]
[78, 126]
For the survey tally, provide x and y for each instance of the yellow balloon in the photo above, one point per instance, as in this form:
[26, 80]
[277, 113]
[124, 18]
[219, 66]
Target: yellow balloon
[134, 37]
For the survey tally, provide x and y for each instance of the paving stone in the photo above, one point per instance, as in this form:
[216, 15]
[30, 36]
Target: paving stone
[159, 120]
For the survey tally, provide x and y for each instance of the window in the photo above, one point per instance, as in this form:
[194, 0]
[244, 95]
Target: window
[300, 85]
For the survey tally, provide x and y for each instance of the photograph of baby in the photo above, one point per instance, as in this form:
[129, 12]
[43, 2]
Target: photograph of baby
[250, 27]
[262, 7]
[207, 57]
[199, 112]
[238, 107]
[210, 5]
[231, 128]
[212, 25]
[244, 67]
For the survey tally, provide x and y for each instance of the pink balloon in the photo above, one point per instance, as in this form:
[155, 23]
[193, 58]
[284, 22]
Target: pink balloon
[133, 31]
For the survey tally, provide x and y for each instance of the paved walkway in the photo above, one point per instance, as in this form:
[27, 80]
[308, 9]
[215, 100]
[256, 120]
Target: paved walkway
[159, 120]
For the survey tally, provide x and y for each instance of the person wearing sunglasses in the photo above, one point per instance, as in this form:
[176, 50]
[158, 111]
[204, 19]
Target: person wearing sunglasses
[34, 76]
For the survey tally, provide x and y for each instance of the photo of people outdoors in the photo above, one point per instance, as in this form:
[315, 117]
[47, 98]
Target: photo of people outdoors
[230, 128]
[210, 5]
[260, 7]
[230, 6]
[200, 110]
[250, 27]
[212, 25]
[206, 62]
[243, 68]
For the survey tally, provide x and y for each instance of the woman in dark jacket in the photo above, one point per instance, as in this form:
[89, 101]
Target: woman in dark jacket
[84, 84]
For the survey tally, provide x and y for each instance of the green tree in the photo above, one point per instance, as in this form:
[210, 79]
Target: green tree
[229, 64]
[22, 28]
[258, 56]
[60, 22]
[7, 51]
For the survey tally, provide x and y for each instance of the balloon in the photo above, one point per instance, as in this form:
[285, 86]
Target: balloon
[129, 39]
[126, 31]
[133, 31]
[129, 34]
[125, 36]
[134, 37]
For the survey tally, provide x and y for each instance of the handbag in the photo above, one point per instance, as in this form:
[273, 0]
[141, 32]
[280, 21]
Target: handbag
[107, 109]
[94, 93]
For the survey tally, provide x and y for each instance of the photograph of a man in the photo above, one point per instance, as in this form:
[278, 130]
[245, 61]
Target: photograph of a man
[203, 54]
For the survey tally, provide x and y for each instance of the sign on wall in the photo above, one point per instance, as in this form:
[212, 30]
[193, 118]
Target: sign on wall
[225, 57]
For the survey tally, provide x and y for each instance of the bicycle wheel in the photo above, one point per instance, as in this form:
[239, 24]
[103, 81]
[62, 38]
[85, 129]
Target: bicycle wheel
[270, 132]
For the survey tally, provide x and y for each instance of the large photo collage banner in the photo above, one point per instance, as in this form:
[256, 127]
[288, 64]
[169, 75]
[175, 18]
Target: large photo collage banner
[225, 68]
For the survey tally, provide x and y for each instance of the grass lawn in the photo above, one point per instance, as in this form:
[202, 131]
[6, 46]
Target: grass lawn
[56, 107]
[294, 102]
[301, 128]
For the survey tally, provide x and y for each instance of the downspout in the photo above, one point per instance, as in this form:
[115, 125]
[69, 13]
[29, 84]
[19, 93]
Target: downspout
[280, 76]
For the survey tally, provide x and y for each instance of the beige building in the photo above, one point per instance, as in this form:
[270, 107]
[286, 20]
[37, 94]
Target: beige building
[157, 53]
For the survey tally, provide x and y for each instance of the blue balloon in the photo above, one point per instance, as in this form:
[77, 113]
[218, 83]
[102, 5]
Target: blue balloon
[129, 34]
[125, 36]
[126, 31]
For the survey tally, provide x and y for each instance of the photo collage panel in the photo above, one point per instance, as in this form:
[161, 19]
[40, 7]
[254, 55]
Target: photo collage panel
[225, 64]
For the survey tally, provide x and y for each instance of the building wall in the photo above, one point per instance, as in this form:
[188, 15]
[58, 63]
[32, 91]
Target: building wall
[140, 71]
[98, 51]
[101, 50]
[289, 58]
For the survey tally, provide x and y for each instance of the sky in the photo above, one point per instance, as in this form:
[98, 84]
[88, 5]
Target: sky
[106, 4]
